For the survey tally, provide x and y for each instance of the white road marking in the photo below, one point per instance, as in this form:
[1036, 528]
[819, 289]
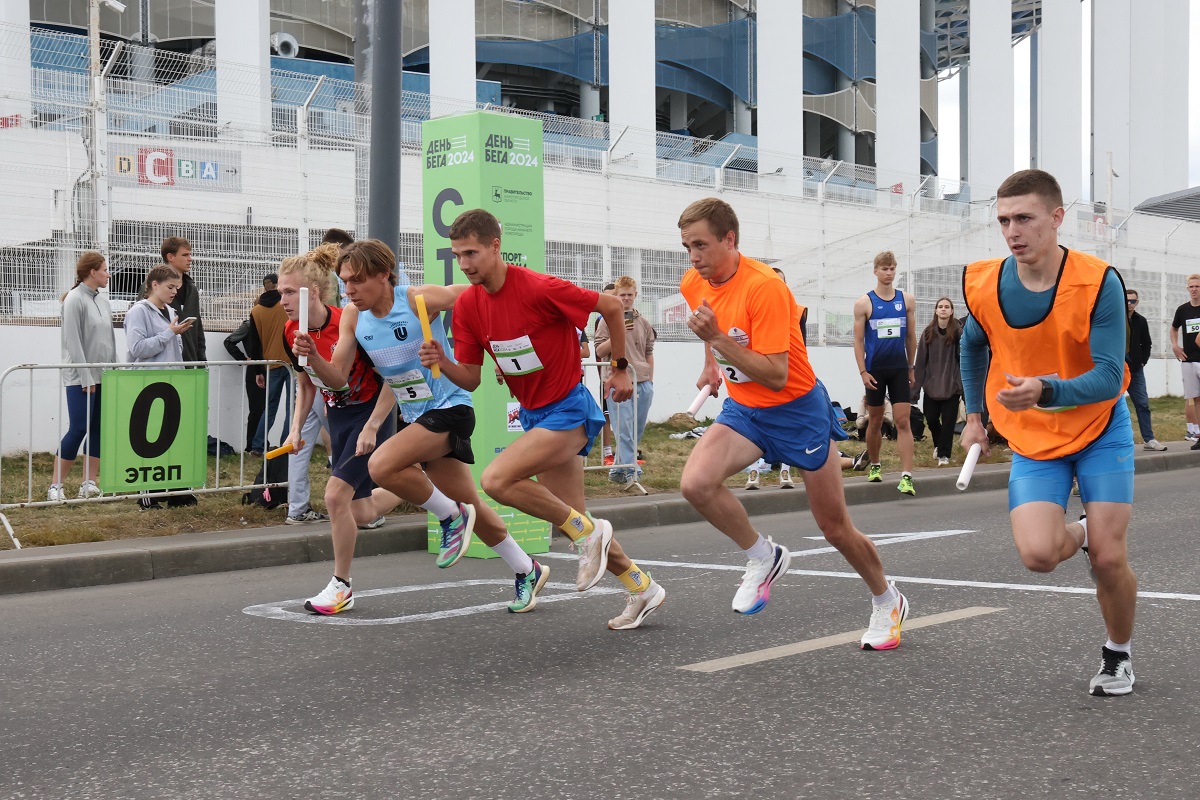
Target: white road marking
[807, 646]
[280, 610]
[903, 537]
[904, 579]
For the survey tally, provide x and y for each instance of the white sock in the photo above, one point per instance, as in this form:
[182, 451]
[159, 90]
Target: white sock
[902, 474]
[440, 505]
[888, 597]
[607, 450]
[1120, 648]
[1193, 427]
[760, 549]
[516, 558]
[1083, 524]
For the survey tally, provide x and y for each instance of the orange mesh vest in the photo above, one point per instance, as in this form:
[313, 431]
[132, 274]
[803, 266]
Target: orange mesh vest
[1055, 347]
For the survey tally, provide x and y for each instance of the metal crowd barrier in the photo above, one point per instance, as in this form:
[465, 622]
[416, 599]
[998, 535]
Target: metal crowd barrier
[614, 414]
[8, 420]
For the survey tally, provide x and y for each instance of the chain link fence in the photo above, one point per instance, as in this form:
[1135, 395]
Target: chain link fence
[162, 163]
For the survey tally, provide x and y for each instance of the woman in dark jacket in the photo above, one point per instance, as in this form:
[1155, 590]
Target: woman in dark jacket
[938, 374]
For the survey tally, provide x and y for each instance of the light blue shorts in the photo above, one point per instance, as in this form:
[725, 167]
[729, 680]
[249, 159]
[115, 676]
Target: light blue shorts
[795, 433]
[577, 408]
[1104, 469]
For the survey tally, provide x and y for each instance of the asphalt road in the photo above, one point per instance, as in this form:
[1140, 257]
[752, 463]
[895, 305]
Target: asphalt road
[218, 686]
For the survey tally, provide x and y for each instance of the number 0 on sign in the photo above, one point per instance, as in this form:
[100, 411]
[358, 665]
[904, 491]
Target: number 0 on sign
[153, 429]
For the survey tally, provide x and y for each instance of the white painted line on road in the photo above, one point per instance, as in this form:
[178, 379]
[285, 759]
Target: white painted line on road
[904, 537]
[807, 646]
[905, 579]
[280, 610]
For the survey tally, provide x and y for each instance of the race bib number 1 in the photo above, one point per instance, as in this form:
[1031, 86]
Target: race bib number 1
[516, 356]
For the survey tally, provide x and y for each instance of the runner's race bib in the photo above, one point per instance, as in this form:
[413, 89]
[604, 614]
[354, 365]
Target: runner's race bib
[410, 387]
[888, 328]
[516, 356]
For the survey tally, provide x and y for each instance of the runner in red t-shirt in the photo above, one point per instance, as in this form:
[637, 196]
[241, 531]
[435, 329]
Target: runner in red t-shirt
[776, 409]
[527, 323]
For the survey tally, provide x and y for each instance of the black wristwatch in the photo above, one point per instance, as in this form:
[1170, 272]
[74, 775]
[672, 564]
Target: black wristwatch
[1047, 395]
[620, 363]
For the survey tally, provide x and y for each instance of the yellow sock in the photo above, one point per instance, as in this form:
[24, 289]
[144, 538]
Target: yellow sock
[634, 578]
[577, 526]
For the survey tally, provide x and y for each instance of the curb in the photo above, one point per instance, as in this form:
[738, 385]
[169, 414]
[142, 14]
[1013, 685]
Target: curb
[100, 563]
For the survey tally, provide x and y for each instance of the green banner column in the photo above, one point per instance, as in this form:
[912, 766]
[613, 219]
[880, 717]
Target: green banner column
[491, 161]
[153, 429]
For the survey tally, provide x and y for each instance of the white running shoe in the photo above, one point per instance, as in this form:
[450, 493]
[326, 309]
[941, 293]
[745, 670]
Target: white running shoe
[333, 599]
[1154, 444]
[785, 477]
[942, 462]
[884, 631]
[89, 489]
[752, 481]
[760, 575]
[638, 606]
[56, 494]
[1115, 676]
[593, 555]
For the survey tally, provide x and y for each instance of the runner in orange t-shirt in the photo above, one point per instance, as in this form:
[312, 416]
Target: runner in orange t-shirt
[776, 409]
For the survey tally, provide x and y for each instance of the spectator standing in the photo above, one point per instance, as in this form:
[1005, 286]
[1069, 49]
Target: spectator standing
[177, 253]
[937, 373]
[1137, 355]
[885, 343]
[243, 345]
[152, 328]
[1187, 317]
[269, 319]
[153, 335]
[87, 338]
[639, 350]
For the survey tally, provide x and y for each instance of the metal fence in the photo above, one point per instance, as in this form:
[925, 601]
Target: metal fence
[594, 461]
[32, 420]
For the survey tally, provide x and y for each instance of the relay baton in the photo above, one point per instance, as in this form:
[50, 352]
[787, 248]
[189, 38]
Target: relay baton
[968, 468]
[303, 360]
[427, 331]
[281, 451]
[705, 393]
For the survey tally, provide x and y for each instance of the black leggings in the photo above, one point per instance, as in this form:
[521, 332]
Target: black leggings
[941, 417]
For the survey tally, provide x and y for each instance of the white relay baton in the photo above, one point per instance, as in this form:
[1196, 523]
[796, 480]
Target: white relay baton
[303, 360]
[705, 393]
[968, 468]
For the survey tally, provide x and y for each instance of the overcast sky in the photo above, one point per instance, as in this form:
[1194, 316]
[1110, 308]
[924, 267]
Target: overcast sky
[948, 107]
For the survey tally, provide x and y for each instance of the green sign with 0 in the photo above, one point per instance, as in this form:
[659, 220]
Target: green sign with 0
[153, 429]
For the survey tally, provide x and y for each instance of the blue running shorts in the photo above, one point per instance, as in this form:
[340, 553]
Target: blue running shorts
[577, 408]
[795, 433]
[1104, 469]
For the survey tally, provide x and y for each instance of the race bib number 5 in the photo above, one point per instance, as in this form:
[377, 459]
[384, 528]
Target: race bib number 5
[1192, 325]
[410, 387]
[516, 356]
[888, 328]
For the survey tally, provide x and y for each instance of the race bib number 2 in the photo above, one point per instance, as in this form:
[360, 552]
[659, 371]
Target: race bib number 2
[516, 356]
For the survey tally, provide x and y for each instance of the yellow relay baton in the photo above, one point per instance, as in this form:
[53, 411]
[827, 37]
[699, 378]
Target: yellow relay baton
[282, 451]
[427, 331]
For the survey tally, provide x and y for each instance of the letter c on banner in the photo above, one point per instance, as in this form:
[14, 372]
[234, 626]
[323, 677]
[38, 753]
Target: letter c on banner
[447, 195]
[139, 417]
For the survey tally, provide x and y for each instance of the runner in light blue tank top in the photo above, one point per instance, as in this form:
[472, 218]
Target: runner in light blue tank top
[392, 343]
